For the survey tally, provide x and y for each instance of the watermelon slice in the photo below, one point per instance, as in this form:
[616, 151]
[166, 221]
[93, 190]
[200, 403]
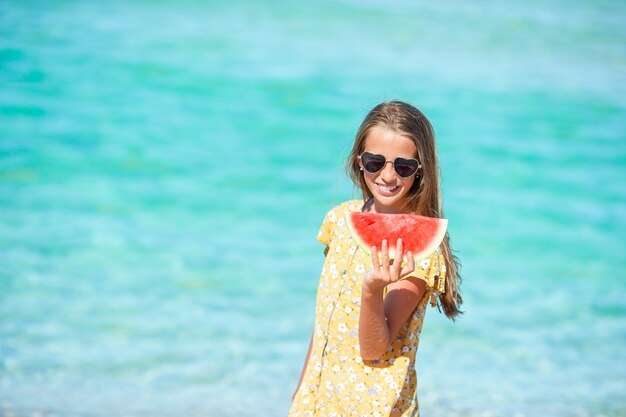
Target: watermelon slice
[420, 235]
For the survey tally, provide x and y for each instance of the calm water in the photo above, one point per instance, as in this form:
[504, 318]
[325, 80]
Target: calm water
[164, 169]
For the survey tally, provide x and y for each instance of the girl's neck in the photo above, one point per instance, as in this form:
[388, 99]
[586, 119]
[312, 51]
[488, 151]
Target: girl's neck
[373, 206]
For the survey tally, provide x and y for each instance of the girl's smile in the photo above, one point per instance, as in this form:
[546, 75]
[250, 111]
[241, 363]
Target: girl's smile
[388, 188]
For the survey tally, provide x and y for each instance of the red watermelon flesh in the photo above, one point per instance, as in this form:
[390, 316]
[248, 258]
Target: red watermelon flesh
[420, 235]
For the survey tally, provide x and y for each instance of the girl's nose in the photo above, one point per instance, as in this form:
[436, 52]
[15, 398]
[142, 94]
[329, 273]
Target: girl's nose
[388, 174]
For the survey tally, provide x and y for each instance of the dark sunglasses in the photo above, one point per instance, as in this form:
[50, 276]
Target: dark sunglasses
[373, 163]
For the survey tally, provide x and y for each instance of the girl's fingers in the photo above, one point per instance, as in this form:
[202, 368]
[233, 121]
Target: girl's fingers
[410, 265]
[397, 264]
[410, 260]
[375, 262]
[385, 256]
[392, 270]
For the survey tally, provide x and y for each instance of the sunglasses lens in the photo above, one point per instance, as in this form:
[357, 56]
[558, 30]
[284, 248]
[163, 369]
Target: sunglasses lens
[405, 167]
[372, 163]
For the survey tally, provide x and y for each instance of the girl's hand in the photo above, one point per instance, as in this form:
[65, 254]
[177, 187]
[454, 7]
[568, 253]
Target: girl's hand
[389, 271]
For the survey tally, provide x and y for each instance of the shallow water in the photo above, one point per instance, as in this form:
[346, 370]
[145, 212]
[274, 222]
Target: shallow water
[164, 169]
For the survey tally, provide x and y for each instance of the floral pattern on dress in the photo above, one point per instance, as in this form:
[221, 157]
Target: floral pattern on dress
[337, 381]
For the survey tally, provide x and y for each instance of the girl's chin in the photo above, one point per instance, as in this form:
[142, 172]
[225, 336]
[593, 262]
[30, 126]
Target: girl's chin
[392, 202]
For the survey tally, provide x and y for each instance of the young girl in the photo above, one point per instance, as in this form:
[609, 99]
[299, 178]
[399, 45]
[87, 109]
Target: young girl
[369, 313]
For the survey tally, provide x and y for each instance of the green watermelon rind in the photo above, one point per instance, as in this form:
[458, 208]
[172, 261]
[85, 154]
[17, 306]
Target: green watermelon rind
[434, 243]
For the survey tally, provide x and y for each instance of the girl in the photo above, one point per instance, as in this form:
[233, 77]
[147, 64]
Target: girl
[369, 313]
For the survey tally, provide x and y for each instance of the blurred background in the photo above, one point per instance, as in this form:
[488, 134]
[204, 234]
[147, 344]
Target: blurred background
[165, 167]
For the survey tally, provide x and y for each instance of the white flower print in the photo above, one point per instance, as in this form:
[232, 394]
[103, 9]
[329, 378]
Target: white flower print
[341, 221]
[342, 327]
[431, 281]
[332, 216]
[359, 269]
[360, 387]
[348, 310]
[425, 263]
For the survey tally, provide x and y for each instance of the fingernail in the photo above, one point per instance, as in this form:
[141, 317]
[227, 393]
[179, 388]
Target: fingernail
[399, 241]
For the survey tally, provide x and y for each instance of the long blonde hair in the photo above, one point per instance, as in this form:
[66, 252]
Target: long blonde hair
[424, 197]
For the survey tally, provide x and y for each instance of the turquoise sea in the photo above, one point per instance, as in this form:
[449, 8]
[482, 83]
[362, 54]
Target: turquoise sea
[165, 166]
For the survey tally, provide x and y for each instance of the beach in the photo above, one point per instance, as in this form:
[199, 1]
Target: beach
[165, 168]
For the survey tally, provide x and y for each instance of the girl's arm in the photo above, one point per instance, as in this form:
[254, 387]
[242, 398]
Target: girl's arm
[306, 362]
[382, 317]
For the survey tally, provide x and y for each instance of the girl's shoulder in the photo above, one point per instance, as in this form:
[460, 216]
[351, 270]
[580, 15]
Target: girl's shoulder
[350, 205]
[335, 219]
[338, 212]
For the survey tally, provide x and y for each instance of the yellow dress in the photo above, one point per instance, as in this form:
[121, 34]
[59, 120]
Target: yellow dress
[337, 381]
